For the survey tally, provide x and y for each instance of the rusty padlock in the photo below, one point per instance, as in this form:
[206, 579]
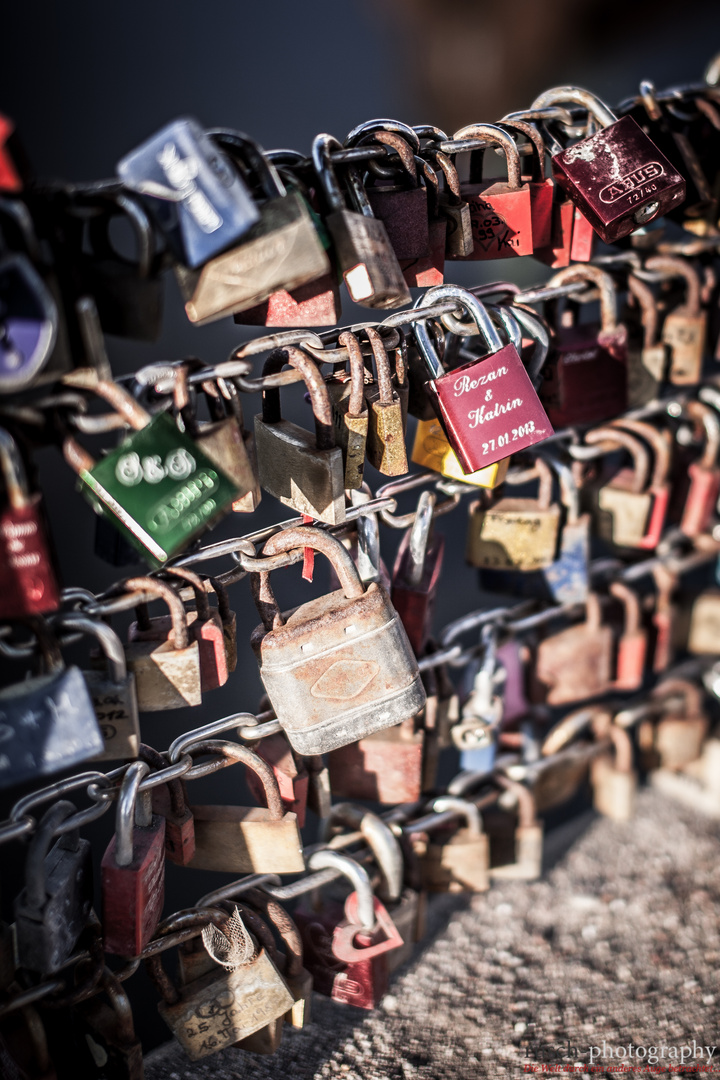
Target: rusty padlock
[575, 663]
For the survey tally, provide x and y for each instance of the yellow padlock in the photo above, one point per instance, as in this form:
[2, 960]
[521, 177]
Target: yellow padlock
[432, 450]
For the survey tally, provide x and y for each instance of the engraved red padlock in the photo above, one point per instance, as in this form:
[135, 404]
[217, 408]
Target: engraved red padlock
[488, 408]
[501, 212]
[617, 177]
[133, 870]
[27, 578]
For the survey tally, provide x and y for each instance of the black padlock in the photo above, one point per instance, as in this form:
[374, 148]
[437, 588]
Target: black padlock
[52, 910]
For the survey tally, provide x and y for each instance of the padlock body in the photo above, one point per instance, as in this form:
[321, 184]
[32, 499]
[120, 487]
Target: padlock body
[615, 173]
[404, 213]
[415, 603]
[460, 865]
[645, 373]
[220, 1009]
[232, 450]
[701, 502]
[513, 534]
[368, 263]
[685, 336]
[704, 632]
[338, 670]
[541, 212]
[679, 740]
[613, 790]
[624, 515]
[567, 578]
[556, 253]
[133, 895]
[292, 780]
[301, 988]
[49, 725]
[574, 664]
[297, 473]
[27, 579]
[246, 839]
[46, 938]
[489, 409]
[315, 304]
[408, 914]
[116, 710]
[159, 489]
[428, 270]
[362, 983]
[631, 656]
[459, 236]
[583, 239]
[432, 449]
[165, 677]
[585, 378]
[386, 434]
[385, 767]
[281, 251]
[501, 220]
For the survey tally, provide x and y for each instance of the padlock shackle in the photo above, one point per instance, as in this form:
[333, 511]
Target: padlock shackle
[569, 489]
[383, 375]
[110, 642]
[536, 326]
[467, 810]
[380, 839]
[497, 137]
[659, 444]
[378, 127]
[631, 605]
[250, 154]
[127, 801]
[287, 540]
[235, 752]
[356, 403]
[532, 134]
[357, 875]
[692, 696]
[675, 267]
[558, 95]
[706, 417]
[40, 844]
[257, 926]
[402, 147]
[617, 437]
[202, 600]
[643, 294]
[121, 1007]
[524, 798]
[285, 926]
[566, 730]
[475, 309]
[13, 471]
[593, 275]
[319, 398]
[185, 920]
[419, 537]
[446, 165]
[323, 145]
[180, 630]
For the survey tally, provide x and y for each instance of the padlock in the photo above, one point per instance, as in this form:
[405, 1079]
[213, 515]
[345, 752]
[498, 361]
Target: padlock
[246, 839]
[476, 730]
[703, 637]
[349, 411]
[567, 578]
[14, 167]
[659, 489]
[702, 495]
[514, 833]
[29, 321]
[432, 450]
[563, 766]
[112, 690]
[206, 628]
[28, 585]
[133, 869]
[224, 1006]
[289, 771]
[282, 250]
[96, 1039]
[365, 256]
[685, 327]
[429, 269]
[501, 212]
[128, 292]
[346, 946]
[452, 206]
[575, 663]
[224, 439]
[585, 378]
[646, 358]
[48, 721]
[196, 198]
[416, 574]
[401, 204]
[663, 618]
[622, 503]
[669, 134]
[53, 908]
[481, 435]
[541, 188]
[318, 302]
[613, 779]
[384, 767]
[461, 861]
[683, 726]
[386, 430]
[302, 470]
[617, 177]
[169, 801]
[198, 956]
[159, 489]
[632, 642]
[349, 649]
[557, 252]
[513, 533]
[161, 653]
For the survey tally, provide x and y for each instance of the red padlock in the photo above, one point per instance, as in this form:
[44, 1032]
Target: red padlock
[429, 269]
[401, 204]
[27, 579]
[133, 870]
[416, 574]
[501, 212]
[632, 644]
[289, 771]
[541, 187]
[701, 500]
[205, 625]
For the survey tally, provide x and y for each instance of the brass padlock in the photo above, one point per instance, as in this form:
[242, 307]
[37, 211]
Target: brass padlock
[246, 839]
[166, 664]
[516, 534]
[514, 832]
[613, 778]
[685, 327]
[623, 503]
[386, 431]
[647, 358]
[659, 489]
[575, 663]
[704, 632]
[349, 411]
[462, 863]
[683, 727]
[302, 470]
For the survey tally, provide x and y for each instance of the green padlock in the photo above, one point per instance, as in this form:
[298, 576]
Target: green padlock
[158, 488]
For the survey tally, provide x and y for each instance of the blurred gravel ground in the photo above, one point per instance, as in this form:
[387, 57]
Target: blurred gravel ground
[619, 941]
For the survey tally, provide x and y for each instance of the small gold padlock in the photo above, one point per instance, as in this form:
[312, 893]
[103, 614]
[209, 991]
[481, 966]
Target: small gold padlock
[516, 534]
